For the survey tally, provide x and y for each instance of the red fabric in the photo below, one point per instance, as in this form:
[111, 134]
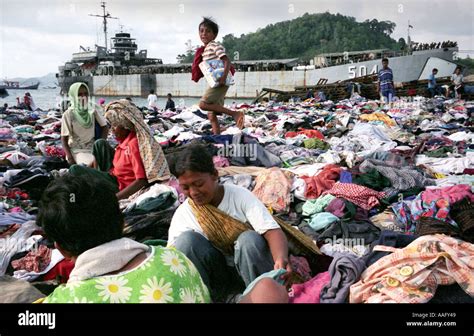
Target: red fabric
[411, 92]
[196, 73]
[468, 171]
[312, 133]
[128, 165]
[309, 291]
[361, 196]
[27, 100]
[35, 261]
[291, 134]
[325, 180]
[60, 271]
[309, 133]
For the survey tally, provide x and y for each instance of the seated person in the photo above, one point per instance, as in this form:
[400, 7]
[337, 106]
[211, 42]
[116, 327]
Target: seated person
[82, 216]
[211, 228]
[78, 126]
[138, 159]
[170, 104]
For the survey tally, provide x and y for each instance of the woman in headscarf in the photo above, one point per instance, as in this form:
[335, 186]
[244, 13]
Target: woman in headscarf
[137, 161]
[78, 126]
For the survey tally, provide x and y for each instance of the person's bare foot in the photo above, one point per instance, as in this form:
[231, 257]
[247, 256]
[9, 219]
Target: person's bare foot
[240, 119]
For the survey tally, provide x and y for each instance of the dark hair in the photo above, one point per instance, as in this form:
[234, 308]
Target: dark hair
[385, 60]
[152, 91]
[209, 23]
[129, 98]
[458, 67]
[435, 69]
[194, 158]
[169, 95]
[80, 213]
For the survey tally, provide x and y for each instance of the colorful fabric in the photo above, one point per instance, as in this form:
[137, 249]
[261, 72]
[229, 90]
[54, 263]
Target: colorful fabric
[325, 180]
[345, 270]
[378, 116]
[35, 261]
[400, 177]
[315, 143]
[165, 276]
[312, 207]
[127, 164]
[309, 291]
[273, 187]
[435, 203]
[412, 274]
[363, 197]
[124, 113]
[386, 80]
[300, 266]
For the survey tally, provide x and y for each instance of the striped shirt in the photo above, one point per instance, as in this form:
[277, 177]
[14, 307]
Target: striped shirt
[213, 51]
[386, 79]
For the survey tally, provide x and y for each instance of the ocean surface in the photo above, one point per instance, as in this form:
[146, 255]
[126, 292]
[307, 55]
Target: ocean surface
[49, 99]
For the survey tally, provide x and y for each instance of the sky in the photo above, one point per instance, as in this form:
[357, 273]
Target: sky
[36, 36]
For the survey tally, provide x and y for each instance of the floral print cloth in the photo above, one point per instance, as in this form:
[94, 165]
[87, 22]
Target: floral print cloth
[412, 274]
[166, 276]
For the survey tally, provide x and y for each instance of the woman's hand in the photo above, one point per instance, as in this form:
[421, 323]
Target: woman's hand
[284, 264]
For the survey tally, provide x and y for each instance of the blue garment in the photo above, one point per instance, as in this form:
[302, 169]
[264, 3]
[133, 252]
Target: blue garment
[345, 177]
[275, 275]
[431, 81]
[386, 80]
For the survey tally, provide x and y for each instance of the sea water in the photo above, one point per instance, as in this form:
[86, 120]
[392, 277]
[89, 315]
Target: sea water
[46, 99]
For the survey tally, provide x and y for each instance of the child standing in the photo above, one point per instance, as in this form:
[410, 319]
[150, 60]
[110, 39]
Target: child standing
[213, 99]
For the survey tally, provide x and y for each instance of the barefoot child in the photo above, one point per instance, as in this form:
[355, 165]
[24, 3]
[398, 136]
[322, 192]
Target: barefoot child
[213, 99]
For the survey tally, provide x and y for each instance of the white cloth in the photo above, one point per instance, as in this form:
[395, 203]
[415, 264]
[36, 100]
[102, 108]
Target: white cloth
[13, 244]
[238, 203]
[299, 188]
[15, 157]
[56, 257]
[106, 258]
[307, 170]
[189, 117]
[152, 101]
[461, 136]
[446, 166]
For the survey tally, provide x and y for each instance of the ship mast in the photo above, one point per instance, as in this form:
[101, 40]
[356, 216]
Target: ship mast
[409, 38]
[104, 16]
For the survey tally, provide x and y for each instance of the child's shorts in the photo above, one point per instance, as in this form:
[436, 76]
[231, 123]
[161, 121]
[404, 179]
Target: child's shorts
[215, 95]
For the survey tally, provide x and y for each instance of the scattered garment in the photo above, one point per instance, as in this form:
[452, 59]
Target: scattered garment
[365, 198]
[323, 181]
[273, 188]
[344, 270]
[412, 274]
[310, 291]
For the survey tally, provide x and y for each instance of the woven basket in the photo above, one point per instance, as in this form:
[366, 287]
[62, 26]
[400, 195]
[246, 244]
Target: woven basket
[295, 236]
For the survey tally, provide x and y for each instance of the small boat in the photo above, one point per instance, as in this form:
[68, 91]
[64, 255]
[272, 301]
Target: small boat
[3, 92]
[16, 86]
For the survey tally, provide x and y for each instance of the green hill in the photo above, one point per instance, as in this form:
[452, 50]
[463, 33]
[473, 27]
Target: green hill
[308, 35]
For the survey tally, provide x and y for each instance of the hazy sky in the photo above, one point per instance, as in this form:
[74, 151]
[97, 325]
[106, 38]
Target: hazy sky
[36, 36]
